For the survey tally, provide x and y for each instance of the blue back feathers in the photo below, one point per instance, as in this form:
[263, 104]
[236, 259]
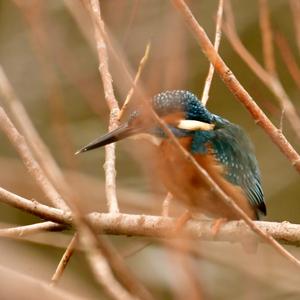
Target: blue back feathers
[233, 149]
[228, 142]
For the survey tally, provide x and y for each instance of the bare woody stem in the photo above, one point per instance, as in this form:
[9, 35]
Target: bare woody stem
[89, 238]
[288, 57]
[135, 81]
[271, 81]
[109, 166]
[232, 83]
[64, 260]
[22, 231]
[295, 9]
[267, 37]
[152, 226]
[236, 88]
[211, 70]
[33, 139]
[32, 166]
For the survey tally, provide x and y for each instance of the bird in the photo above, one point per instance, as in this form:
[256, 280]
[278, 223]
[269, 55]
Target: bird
[219, 146]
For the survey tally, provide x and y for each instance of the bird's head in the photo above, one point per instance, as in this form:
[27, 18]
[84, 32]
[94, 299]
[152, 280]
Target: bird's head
[182, 112]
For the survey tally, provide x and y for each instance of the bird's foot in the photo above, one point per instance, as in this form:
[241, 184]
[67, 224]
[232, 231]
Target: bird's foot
[181, 221]
[217, 225]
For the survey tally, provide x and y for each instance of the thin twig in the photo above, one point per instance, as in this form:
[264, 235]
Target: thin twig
[288, 57]
[166, 205]
[135, 81]
[209, 50]
[64, 260]
[218, 36]
[267, 37]
[115, 260]
[270, 81]
[237, 89]
[295, 10]
[21, 231]
[32, 166]
[109, 166]
[281, 120]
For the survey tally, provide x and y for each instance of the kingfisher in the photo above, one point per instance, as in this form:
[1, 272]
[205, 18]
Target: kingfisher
[220, 147]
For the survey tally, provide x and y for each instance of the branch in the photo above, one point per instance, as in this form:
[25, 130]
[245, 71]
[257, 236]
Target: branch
[35, 208]
[270, 81]
[64, 260]
[233, 85]
[109, 166]
[211, 70]
[295, 9]
[267, 37]
[65, 217]
[155, 226]
[166, 205]
[33, 139]
[32, 166]
[102, 270]
[237, 89]
[135, 81]
[103, 274]
[21, 231]
[288, 57]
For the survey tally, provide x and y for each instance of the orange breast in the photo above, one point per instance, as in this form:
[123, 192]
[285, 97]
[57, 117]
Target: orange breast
[183, 180]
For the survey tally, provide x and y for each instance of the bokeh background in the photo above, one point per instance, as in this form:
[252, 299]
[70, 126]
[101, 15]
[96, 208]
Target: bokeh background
[47, 51]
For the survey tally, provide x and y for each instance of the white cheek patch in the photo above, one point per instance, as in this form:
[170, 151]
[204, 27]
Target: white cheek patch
[149, 137]
[194, 125]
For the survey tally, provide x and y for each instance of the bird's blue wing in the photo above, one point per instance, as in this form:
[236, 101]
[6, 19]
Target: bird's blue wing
[234, 151]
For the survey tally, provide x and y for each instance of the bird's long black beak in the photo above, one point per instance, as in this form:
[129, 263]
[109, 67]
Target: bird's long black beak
[118, 134]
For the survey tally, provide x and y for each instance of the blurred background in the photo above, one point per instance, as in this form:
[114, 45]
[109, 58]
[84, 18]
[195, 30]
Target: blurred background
[47, 51]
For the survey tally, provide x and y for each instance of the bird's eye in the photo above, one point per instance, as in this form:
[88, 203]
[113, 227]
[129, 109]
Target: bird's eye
[195, 125]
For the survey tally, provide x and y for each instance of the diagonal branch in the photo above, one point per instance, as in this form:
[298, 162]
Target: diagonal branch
[135, 81]
[32, 166]
[64, 260]
[33, 139]
[210, 52]
[236, 88]
[288, 57]
[270, 81]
